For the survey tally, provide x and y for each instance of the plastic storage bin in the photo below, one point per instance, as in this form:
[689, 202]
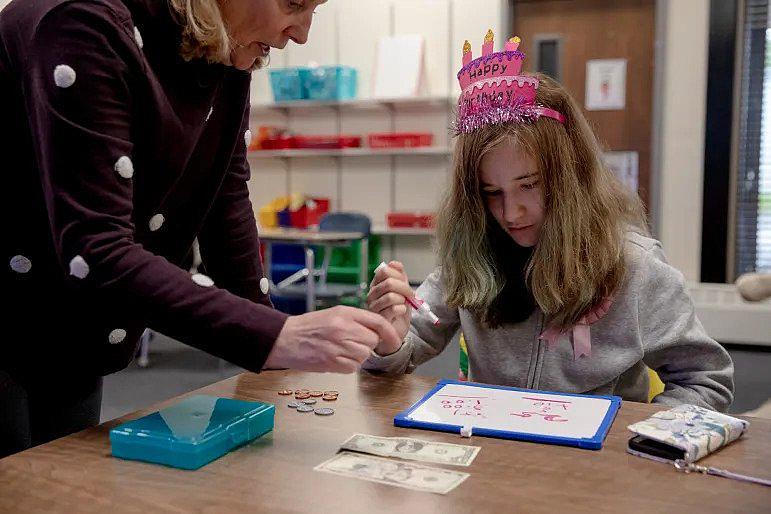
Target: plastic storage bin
[409, 220]
[400, 140]
[326, 142]
[310, 213]
[286, 84]
[193, 432]
[329, 82]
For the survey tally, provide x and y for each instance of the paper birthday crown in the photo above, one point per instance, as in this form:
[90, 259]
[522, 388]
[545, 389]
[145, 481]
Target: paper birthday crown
[493, 90]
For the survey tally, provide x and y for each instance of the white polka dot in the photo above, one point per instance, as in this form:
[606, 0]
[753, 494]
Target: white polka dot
[156, 222]
[202, 280]
[117, 336]
[79, 267]
[211, 110]
[264, 285]
[64, 76]
[248, 137]
[125, 167]
[138, 38]
[20, 264]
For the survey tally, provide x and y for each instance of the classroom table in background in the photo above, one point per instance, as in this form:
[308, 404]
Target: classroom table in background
[308, 239]
[275, 473]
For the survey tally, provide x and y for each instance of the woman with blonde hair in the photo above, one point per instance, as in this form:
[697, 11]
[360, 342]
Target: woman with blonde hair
[124, 137]
[546, 264]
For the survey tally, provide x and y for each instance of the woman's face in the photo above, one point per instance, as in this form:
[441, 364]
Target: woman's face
[510, 185]
[256, 26]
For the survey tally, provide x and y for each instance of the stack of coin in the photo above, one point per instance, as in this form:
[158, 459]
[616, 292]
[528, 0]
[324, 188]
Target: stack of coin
[330, 396]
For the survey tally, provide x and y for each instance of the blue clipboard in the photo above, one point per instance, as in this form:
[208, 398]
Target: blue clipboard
[589, 443]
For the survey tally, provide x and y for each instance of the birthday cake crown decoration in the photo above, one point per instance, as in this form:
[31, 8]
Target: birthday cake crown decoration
[493, 89]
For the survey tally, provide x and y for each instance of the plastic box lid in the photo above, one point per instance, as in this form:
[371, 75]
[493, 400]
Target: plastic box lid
[193, 432]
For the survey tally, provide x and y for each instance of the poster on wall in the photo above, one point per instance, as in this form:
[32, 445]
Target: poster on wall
[605, 84]
[625, 165]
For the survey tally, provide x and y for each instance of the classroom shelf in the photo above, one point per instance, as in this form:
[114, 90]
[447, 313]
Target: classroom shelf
[382, 230]
[359, 103]
[349, 152]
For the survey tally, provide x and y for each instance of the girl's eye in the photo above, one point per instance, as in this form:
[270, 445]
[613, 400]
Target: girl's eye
[528, 187]
[491, 193]
[296, 5]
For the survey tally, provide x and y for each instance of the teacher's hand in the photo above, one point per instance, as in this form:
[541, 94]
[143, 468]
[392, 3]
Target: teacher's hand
[334, 340]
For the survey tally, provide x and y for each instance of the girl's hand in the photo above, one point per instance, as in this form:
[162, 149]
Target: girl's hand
[387, 297]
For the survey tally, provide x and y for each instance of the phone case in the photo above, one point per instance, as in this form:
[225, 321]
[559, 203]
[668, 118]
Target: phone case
[695, 430]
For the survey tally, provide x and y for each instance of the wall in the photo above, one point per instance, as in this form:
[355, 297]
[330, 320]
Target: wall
[683, 47]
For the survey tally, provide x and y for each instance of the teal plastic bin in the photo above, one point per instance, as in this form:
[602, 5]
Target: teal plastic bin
[329, 83]
[193, 432]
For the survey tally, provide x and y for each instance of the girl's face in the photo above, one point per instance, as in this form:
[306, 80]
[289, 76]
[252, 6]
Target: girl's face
[511, 187]
[256, 26]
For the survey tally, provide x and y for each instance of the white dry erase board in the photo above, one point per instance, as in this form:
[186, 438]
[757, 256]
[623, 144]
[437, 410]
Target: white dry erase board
[511, 413]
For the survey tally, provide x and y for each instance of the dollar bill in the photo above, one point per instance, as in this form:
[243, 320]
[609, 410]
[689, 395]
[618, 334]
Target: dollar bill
[396, 473]
[412, 449]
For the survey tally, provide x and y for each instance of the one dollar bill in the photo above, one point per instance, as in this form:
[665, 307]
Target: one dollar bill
[389, 472]
[412, 449]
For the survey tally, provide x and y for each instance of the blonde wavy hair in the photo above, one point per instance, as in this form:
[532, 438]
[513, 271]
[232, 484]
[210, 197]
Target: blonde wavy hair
[579, 258]
[204, 31]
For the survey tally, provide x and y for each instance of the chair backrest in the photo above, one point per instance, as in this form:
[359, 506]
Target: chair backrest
[345, 222]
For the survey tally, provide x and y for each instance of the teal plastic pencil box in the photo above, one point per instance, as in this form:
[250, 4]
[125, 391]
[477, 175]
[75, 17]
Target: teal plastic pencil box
[193, 432]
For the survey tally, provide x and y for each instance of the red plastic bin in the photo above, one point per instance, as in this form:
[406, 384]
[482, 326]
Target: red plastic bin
[400, 139]
[309, 216]
[326, 142]
[409, 220]
[276, 143]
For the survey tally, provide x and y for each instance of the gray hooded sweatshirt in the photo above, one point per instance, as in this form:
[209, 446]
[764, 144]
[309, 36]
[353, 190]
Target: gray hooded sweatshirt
[651, 324]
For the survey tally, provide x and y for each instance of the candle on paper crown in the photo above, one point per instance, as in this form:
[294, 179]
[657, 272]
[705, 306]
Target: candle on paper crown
[512, 45]
[466, 53]
[487, 48]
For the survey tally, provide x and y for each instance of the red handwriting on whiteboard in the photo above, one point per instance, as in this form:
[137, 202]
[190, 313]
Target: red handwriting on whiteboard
[471, 406]
[543, 407]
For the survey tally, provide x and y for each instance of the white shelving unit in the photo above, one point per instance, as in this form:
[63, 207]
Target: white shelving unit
[349, 152]
[382, 230]
[367, 103]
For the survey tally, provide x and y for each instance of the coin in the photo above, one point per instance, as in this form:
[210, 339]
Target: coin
[324, 411]
[316, 394]
[331, 393]
[285, 392]
[304, 408]
[302, 396]
[301, 391]
[329, 398]
[309, 401]
[293, 405]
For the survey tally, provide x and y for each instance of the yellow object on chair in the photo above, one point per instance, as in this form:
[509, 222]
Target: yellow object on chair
[655, 386]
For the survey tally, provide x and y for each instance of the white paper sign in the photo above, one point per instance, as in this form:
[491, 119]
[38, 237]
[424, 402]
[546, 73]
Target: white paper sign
[514, 411]
[625, 165]
[605, 84]
[399, 67]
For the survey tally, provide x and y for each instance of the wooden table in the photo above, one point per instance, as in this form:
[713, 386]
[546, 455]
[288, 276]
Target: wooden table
[275, 473]
[308, 239]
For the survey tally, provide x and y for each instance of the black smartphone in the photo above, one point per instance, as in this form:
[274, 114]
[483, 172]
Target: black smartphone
[657, 449]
